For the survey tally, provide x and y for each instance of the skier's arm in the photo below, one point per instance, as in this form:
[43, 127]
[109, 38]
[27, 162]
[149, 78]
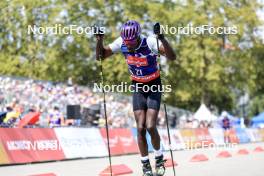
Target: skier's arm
[166, 50]
[101, 50]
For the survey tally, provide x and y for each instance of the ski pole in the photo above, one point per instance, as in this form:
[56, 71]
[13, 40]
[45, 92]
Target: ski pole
[105, 113]
[157, 32]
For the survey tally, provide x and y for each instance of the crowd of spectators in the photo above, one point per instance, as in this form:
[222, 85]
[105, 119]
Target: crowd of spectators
[19, 96]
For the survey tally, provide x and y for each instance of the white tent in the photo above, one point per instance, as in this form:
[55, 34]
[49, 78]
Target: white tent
[203, 113]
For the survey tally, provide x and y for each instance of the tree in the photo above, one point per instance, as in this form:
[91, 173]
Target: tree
[211, 68]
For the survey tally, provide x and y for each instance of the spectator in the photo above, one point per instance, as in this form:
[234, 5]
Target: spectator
[55, 118]
[226, 126]
[204, 124]
[11, 117]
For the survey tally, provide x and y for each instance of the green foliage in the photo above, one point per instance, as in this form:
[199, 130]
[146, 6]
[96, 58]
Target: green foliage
[203, 72]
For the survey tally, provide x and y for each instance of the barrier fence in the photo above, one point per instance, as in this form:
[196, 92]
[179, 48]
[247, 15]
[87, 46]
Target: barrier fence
[29, 145]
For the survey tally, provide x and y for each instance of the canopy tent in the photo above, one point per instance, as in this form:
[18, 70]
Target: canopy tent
[203, 113]
[258, 121]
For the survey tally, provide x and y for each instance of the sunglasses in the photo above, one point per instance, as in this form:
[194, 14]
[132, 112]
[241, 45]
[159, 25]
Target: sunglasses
[130, 42]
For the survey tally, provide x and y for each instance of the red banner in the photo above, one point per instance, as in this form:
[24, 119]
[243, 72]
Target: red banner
[232, 137]
[30, 145]
[121, 141]
[203, 136]
[115, 144]
[128, 142]
[48, 146]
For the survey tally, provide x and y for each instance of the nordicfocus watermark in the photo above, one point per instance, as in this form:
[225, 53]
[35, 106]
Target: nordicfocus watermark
[126, 87]
[209, 145]
[199, 30]
[59, 29]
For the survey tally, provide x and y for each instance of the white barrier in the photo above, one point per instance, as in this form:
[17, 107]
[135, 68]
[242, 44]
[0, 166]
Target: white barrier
[81, 142]
[177, 142]
[254, 134]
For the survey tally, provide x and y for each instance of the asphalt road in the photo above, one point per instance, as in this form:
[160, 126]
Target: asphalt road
[237, 165]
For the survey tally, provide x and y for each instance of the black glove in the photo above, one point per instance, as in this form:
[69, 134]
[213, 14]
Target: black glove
[157, 31]
[98, 33]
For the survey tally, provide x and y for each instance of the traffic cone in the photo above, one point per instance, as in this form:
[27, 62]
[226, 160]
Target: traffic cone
[224, 154]
[116, 170]
[243, 152]
[198, 158]
[47, 174]
[258, 149]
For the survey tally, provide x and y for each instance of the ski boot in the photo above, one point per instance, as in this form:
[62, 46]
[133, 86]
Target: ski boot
[147, 170]
[160, 168]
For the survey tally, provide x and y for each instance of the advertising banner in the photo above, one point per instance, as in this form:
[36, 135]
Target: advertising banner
[189, 138]
[204, 137]
[232, 136]
[254, 134]
[3, 155]
[116, 147]
[242, 135]
[261, 131]
[24, 145]
[177, 142]
[217, 136]
[127, 140]
[81, 142]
